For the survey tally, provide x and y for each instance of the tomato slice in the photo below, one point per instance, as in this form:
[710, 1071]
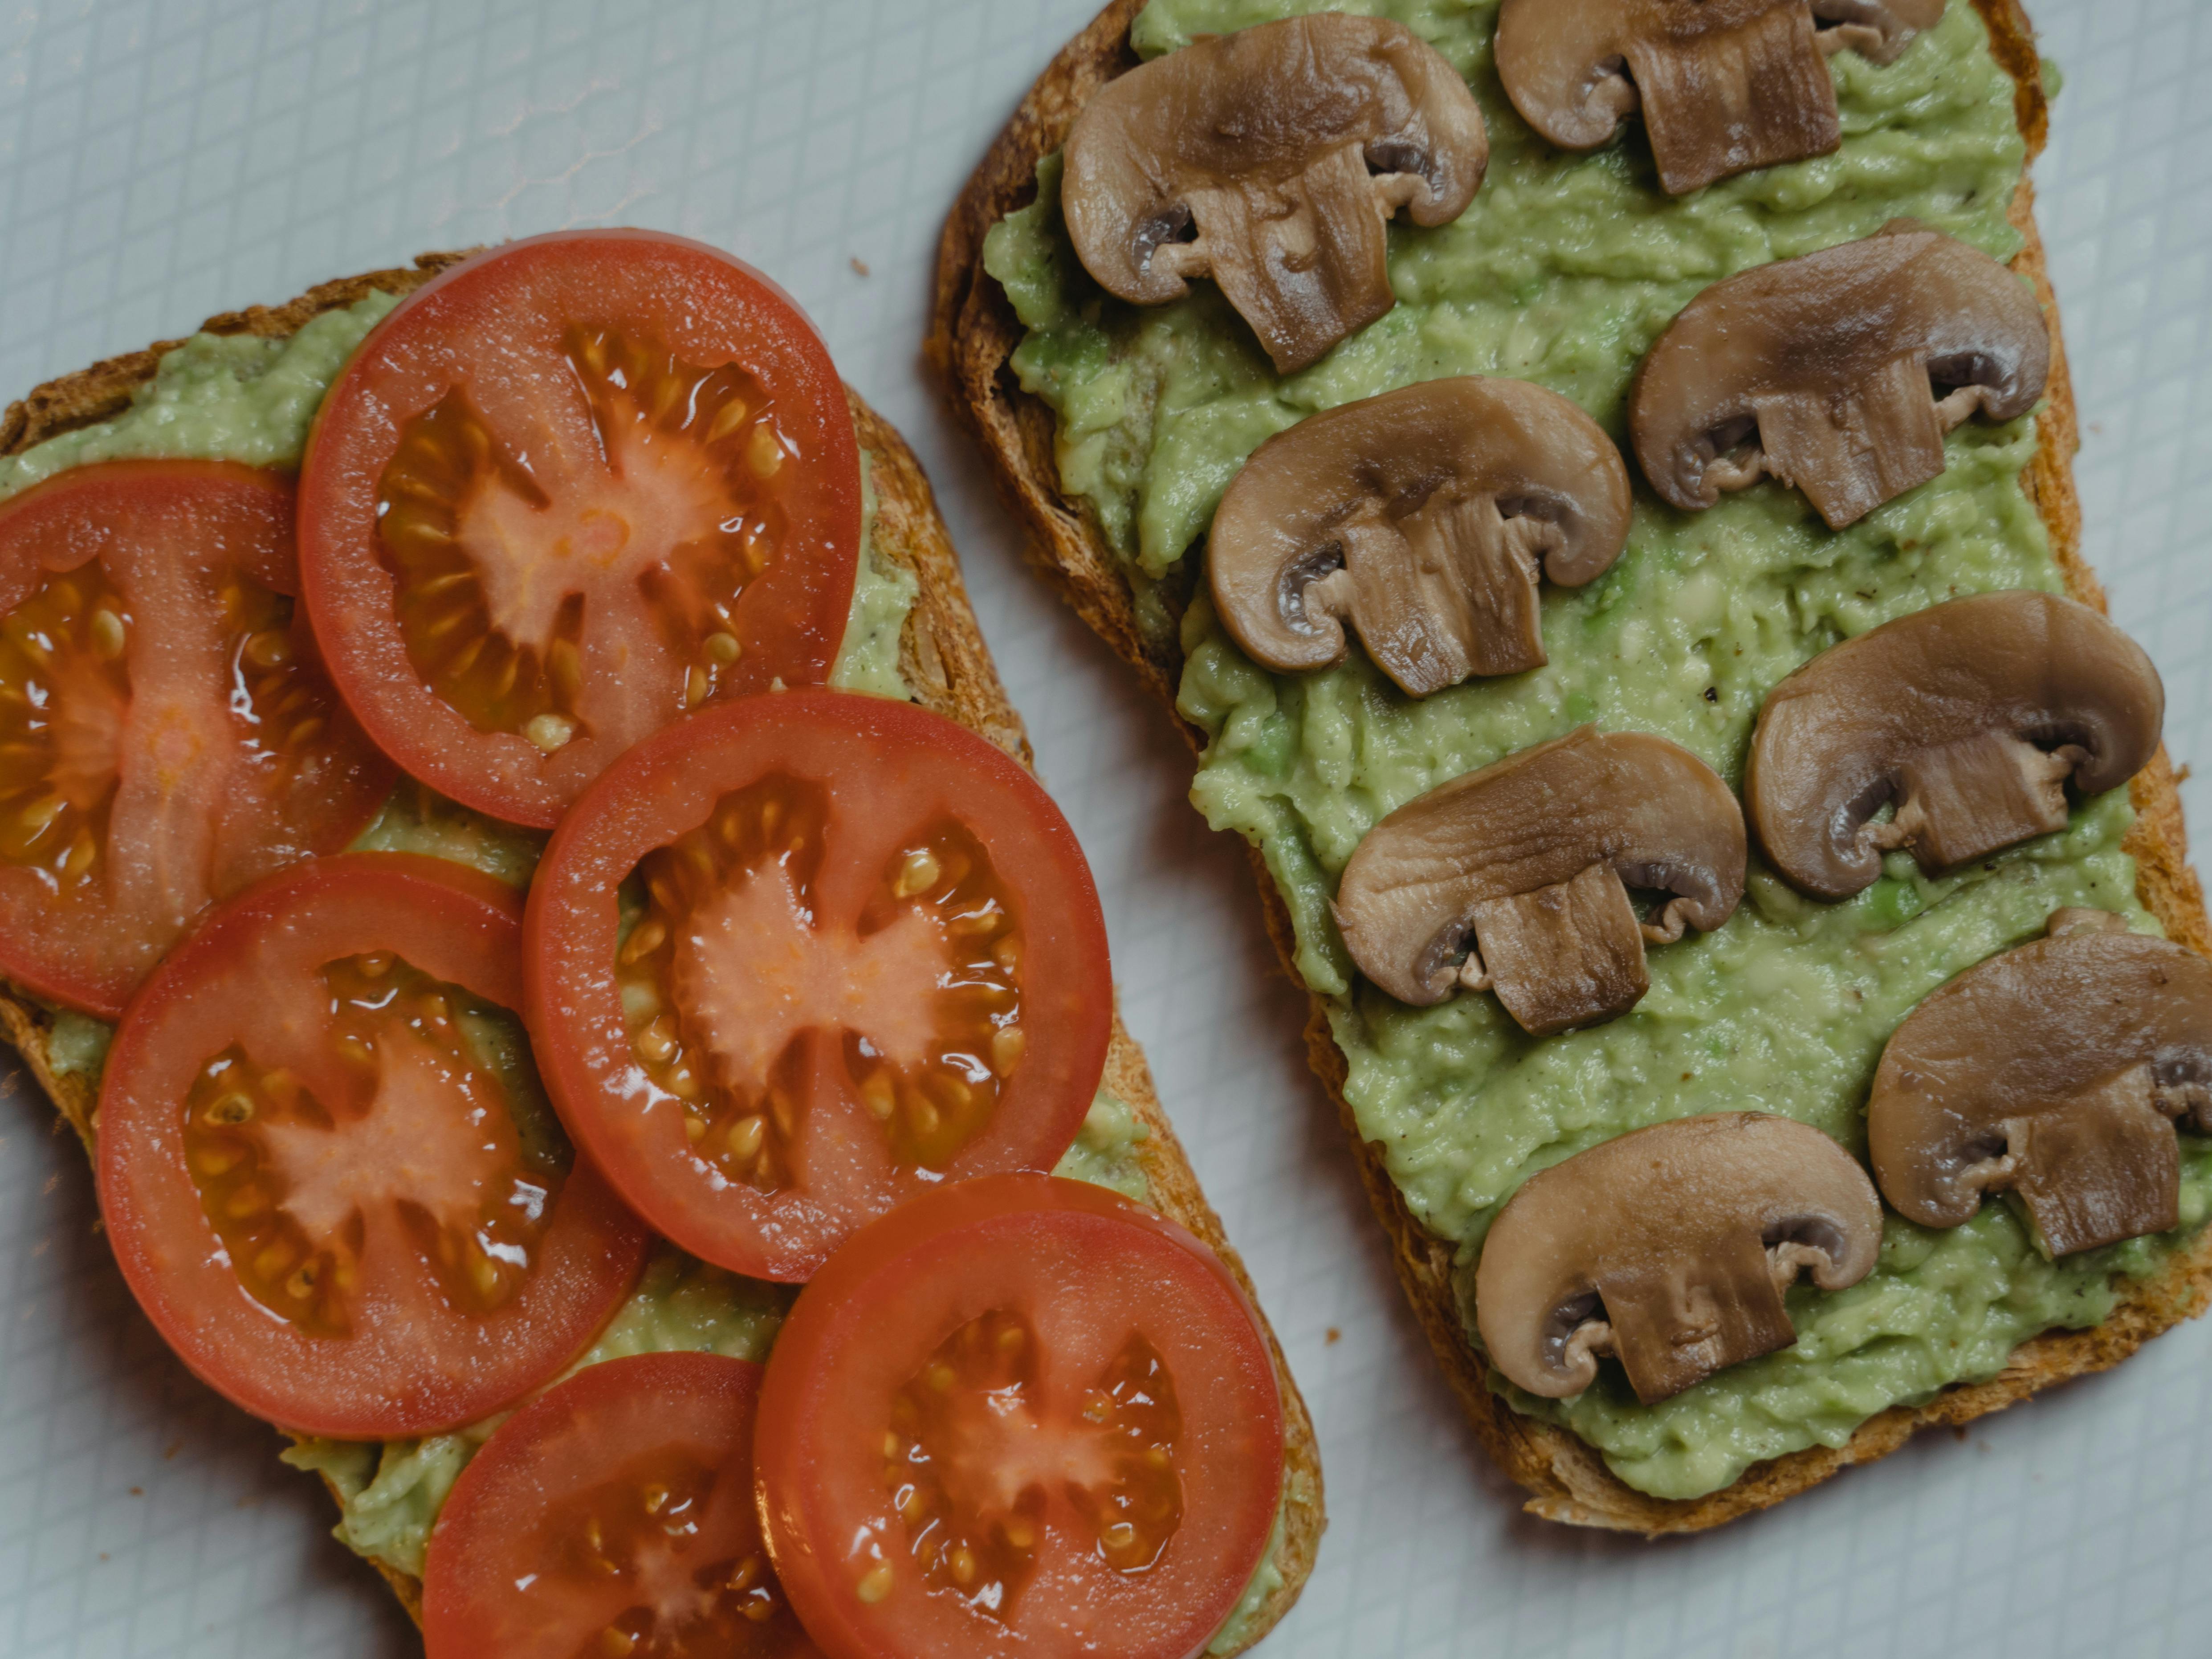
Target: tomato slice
[856, 952]
[167, 733]
[570, 490]
[1019, 1416]
[612, 1518]
[324, 1168]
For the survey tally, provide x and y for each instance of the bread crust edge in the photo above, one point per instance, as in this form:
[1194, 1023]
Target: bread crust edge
[944, 658]
[973, 333]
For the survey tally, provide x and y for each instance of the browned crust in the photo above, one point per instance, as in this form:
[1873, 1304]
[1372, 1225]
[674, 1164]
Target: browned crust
[943, 656]
[974, 332]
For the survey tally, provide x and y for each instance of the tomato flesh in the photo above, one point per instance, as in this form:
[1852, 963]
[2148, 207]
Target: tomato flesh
[566, 492]
[167, 733]
[613, 1518]
[864, 955]
[331, 1193]
[1019, 1416]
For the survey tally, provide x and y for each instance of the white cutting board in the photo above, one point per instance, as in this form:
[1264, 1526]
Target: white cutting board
[159, 162]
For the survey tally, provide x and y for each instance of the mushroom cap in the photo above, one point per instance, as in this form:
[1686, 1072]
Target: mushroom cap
[1649, 811]
[1828, 361]
[1950, 711]
[1669, 1247]
[1484, 476]
[1724, 85]
[1286, 145]
[2053, 1069]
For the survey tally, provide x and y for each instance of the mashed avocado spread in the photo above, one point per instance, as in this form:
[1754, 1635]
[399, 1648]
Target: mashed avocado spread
[1564, 270]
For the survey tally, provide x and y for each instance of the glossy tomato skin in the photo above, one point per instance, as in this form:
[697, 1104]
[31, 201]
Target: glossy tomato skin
[1084, 1267]
[208, 792]
[497, 328]
[412, 1364]
[885, 767]
[506, 1578]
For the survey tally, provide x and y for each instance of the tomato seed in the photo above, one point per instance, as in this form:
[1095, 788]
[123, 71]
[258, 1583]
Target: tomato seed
[644, 940]
[722, 649]
[230, 1110]
[875, 1585]
[549, 732]
[746, 1136]
[763, 453]
[657, 1041]
[877, 1096]
[731, 417]
[1007, 1044]
[269, 650]
[917, 874]
[107, 638]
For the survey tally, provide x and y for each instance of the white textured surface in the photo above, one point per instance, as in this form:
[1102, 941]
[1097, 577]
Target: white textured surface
[161, 161]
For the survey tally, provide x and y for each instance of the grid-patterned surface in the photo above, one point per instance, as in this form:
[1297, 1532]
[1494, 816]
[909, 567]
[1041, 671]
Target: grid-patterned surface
[161, 161]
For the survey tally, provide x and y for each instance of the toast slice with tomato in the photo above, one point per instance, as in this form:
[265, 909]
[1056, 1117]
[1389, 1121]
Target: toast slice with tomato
[942, 657]
[973, 337]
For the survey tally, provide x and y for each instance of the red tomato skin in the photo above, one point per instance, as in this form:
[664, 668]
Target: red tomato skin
[796, 613]
[457, 925]
[666, 785]
[470, 1601]
[74, 517]
[848, 1320]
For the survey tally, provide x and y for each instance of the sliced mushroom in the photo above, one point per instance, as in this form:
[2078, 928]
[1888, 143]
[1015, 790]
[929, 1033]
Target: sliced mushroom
[1422, 518]
[1270, 159]
[1725, 86]
[1971, 715]
[1670, 1247]
[1838, 372]
[2058, 1070]
[1515, 878]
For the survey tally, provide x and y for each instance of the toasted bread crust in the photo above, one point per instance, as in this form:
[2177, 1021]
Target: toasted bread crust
[973, 333]
[943, 657]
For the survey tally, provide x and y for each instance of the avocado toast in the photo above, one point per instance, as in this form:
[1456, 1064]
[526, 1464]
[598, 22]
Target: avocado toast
[939, 659]
[1149, 622]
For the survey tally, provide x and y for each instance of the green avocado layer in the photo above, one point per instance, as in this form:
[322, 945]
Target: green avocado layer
[1563, 271]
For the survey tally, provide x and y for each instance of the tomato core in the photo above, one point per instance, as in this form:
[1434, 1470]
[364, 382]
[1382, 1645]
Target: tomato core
[65, 692]
[640, 1530]
[432, 1166]
[680, 505]
[975, 1464]
[726, 971]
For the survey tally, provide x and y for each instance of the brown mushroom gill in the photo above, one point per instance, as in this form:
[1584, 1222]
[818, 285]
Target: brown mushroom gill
[2058, 1070]
[1515, 878]
[1724, 86]
[1271, 159]
[1837, 372]
[1972, 716]
[1422, 518]
[1670, 1247]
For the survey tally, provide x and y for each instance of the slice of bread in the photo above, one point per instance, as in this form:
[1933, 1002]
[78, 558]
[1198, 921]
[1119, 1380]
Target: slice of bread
[943, 657]
[973, 333]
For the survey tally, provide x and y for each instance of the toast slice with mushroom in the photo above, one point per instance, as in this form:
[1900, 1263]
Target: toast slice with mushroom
[974, 334]
[942, 656]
